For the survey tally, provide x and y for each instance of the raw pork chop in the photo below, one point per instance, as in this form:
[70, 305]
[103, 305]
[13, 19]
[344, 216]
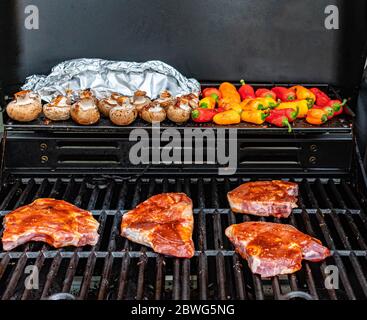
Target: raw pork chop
[264, 198]
[164, 222]
[55, 222]
[272, 249]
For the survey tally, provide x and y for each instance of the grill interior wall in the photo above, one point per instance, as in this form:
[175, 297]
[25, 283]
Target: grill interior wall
[116, 268]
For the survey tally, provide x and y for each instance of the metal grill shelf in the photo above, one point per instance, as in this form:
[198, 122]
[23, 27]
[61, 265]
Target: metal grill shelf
[340, 124]
[331, 210]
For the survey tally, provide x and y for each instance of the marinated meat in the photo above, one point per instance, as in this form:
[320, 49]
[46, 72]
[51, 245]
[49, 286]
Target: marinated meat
[264, 198]
[164, 222]
[272, 249]
[55, 222]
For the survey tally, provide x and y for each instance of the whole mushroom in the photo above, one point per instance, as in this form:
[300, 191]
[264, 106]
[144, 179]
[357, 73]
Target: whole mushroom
[124, 114]
[153, 112]
[166, 99]
[193, 100]
[85, 111]
[25, 107]
[58, 109]
[105, 105]
[180, 112]
[140, 100]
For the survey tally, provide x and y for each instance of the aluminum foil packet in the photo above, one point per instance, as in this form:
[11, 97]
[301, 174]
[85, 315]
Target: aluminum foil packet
[104, 77]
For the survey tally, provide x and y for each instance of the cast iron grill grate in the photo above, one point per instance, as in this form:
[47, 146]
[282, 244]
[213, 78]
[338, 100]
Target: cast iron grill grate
[331, 210]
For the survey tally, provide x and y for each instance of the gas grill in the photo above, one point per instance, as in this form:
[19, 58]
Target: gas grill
[89, 166]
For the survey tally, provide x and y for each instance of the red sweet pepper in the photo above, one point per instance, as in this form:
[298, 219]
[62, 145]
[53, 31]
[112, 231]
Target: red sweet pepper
[330, 113]
[265, 93]
[201, 115]
[246, 91]
[284, 94]
[290, 113]
[322, 99]
[338, 106]
[212, 92]
[279, 120]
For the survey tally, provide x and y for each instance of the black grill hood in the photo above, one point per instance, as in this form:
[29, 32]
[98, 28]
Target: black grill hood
[263, 41]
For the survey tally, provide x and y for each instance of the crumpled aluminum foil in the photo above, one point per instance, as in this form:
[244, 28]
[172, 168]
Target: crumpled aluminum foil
[104, 77]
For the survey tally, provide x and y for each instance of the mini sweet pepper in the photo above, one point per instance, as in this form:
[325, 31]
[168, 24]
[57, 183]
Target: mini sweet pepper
[322, 99]
[212, 92]
[284, 94]
[316, 116]
[303, 93]
[227, 118]
[254, 116]
[338, 106]
[265, 93]
[246, 91]
[301, 105]
[201, 115]
[279, 120]
[328, 110]
[207, 103]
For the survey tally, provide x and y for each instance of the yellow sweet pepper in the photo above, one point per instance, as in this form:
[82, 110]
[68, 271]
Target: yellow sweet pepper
[269, 102]
[254, 116]
[303, 93]
[229, 91]
[255, 104]
[227, 118]
[245, 102]
[233, 106]
[302, 106]
[207, 103]
[259, 104]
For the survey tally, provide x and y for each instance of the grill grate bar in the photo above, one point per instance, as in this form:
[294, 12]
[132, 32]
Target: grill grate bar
[55, 266]
[203, 262]
[68, 194]
[143, 258]
[41, 190]
[23, 197]
[81, 193]
[309, 276]
[176, 262]
[89, 269]
[10, 195]
[107, 269]
[218, 243]
[176, 279]
[4, 264]
[55, 188]
[39, 263]
[123, 276]
[142, 263]
[185, 279]
[159, 277]
[186, 262]
[15, 278]
[160, 258]
[237, 265]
